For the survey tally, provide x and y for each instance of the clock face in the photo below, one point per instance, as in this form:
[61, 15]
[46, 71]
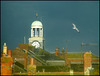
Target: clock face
[36, 44]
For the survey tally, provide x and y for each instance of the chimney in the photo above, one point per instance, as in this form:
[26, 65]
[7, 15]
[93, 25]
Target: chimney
[32, 61]
[3, 55]
[56, 52]
[65, 50]
[65, 53]
[87, 61]
[9, 53]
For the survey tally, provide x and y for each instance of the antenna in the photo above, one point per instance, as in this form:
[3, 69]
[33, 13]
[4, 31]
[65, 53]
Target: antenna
[41, 19]
[88, 44]
[24, 40]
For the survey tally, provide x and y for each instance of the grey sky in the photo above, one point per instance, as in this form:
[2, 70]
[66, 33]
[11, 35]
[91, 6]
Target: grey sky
[57, 18]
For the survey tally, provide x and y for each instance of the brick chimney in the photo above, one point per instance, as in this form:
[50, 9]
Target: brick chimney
[9, 53]
[3, 55]
[67, 61]
[32, 61]
[87, 61]
[31, 67]
[56, 51]
[63, 52]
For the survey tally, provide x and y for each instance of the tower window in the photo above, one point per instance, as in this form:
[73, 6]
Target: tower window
[34, 31]
[38, 32]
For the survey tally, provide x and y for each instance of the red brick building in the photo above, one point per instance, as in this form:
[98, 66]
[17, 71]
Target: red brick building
[6, 65]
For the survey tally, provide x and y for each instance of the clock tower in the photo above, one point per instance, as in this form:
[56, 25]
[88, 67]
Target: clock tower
[36, 38]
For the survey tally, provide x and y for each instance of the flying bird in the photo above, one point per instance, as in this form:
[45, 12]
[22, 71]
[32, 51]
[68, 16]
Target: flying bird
[75, 27]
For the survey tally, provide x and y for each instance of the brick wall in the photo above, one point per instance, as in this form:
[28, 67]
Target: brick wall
[19, 55]
[24, 46]
[6, 66]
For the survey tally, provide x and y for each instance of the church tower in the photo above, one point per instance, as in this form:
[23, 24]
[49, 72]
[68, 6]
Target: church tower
[36, 38]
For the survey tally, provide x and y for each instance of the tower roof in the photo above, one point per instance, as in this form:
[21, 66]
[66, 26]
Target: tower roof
[36, 24]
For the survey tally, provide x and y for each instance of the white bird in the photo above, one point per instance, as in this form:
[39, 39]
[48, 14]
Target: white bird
[75, 27]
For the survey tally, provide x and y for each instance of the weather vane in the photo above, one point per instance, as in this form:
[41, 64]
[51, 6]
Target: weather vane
[36, 15]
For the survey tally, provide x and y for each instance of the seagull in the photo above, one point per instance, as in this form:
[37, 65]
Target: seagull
[75, 27]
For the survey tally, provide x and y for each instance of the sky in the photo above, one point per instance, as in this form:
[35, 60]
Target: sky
[57, 18]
